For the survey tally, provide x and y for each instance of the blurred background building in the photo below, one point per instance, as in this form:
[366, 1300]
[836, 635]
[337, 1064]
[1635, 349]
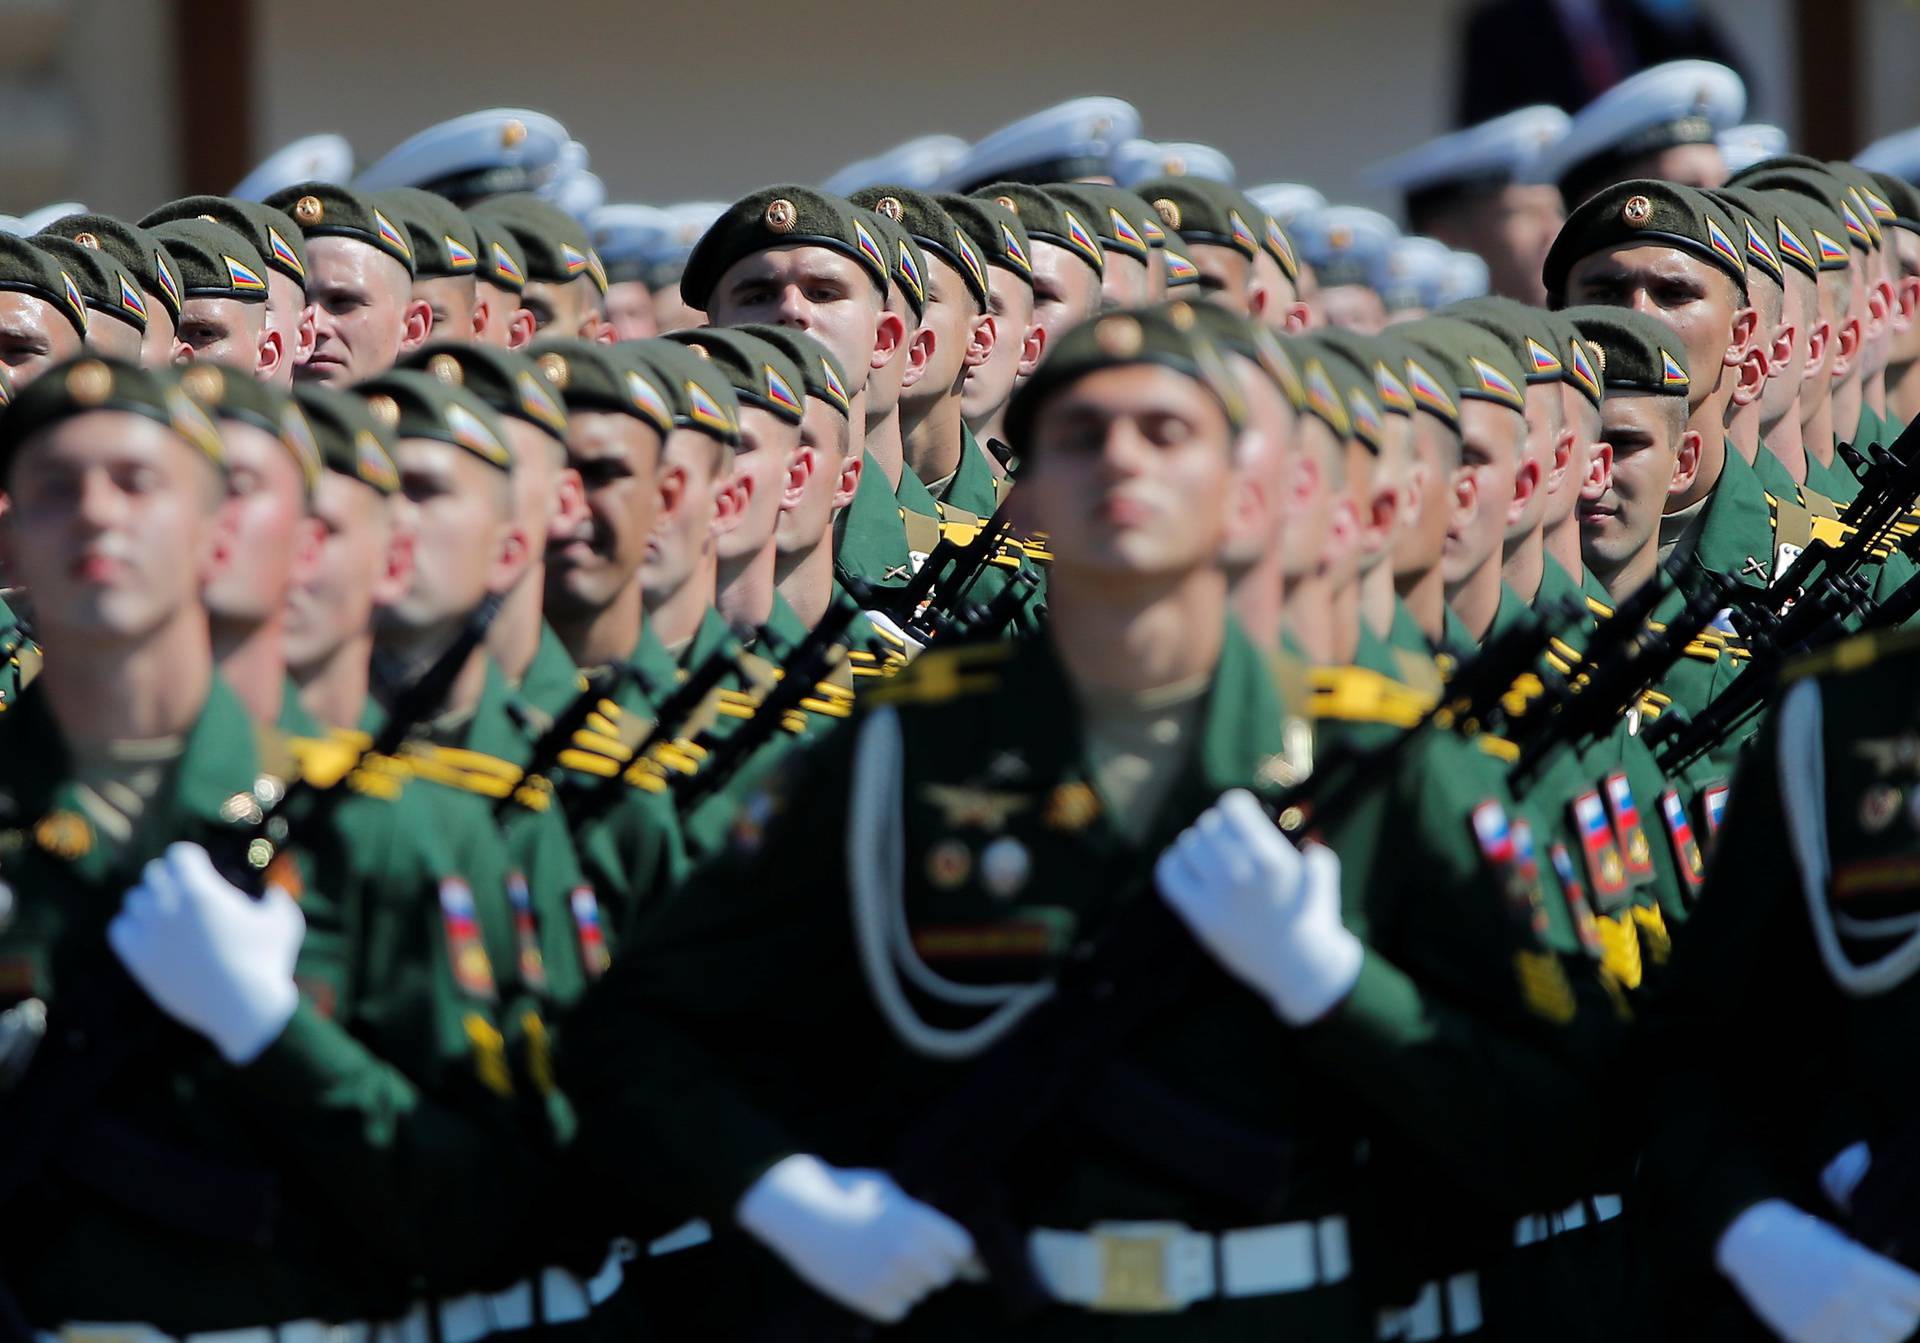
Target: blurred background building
[706, 100]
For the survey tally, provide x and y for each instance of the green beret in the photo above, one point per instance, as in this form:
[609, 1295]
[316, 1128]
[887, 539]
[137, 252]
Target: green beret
[227, 395]
[352, 443]
[1111, 213]
[419, 405]
[1528, 333]
[781, 216]
[1583, 362]
[1048, 218]
[1644, 212]
[105, 284]
[1902, 200]
[1782, 227]
[909, 269]
[1639, 355]
[929, 225]
[1860, 193]
[1745, 209]
[507, 380]
[274, 234]
[604, 379]
[144, 255]
[1351, 376]
[1205, 212]
[1236, 334]
[1321, 394]
[760, 374]
[445, 245]
[1835, 221]
[995, 231]
[328, 210]
[698, 393]
[819, 369]
[27, 269]
[500, 264]
[1279, 246]
[215, 262]
[1168, 335]
[554, 246]
[1381, 356]
[1463, 362]
[89, 383]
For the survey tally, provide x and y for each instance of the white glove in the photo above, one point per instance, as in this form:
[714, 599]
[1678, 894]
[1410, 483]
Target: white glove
[214, 960]
[855, 1235]
[1267, 912]
[1811, 1284]
[1844, 1173]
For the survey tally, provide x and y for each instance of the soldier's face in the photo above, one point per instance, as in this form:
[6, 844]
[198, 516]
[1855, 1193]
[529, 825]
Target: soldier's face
[1124, 283]
[334, 601]
[597, 557]
[359, 297]
[1132, 475]
[990, 383]
[807, 511]
[271, 536]
[671, 312]
[1545, 418]
[501, 305]
[1225, 273]
[951, 316]
[1690, 296]
[1422, 539]
[1263, 464]
[113, 527]
[1512, 230]
[453, 299]
[630, 311]
[1624, 520]
[538, 461]
[812, 289]
[156, 347]
[1309, 514]
[683, 526]
[571, 309]
[760, 464]
[1490, 446]
[1065, 289]
[1352, 307]
[109, 336]
[33, 336]
[460, 511]
[287, 314]
[223, 331]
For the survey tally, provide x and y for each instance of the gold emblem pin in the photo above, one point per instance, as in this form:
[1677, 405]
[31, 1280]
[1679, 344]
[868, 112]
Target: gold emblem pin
[554, 368]
[512, 134]
[949, 864]
[1009, 204]
[204, 384]
[1637, 212]
[446, 368]
[309, 211]
[781, 216]
[384, 409]
[890, 207]
[87, 240]
[1120, 337]
[90, 383]
[1169, 212]
[64, 834]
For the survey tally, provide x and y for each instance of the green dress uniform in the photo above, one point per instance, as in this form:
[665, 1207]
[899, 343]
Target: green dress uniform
[551, 681]
[19, 657]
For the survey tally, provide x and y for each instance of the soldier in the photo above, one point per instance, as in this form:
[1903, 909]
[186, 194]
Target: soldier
[223, 309]
[1348, 249]
[146, 258]
[1321, 532]
[475, 156]
[43, 318]
[1114, 214]
[1216, 223]
[1479, 190]
[278, 241]
[627, 238]
[1903, 356]
[1000, 237]
[564, 285]
[446, 260]
[1068, 264]
[359, 284]
[1659, 123]
[116, 310]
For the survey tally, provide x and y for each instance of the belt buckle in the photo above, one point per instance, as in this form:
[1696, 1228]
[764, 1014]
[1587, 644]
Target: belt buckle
[1134, 1267]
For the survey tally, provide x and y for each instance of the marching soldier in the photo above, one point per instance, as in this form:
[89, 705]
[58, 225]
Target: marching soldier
[278, 240]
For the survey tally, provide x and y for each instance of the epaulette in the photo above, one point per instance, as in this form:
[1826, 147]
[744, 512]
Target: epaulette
[1562, 656]
[1852, 655]
[1506, 752]
[340, 756]
[1653, 703]
[470, 772]
[1360, 695]
[943, 674]
[1599, 608]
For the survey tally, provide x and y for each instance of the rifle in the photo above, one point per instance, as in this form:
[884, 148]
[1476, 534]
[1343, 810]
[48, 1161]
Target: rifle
[544, 760]
[1129, 973]
[106, 1022]
[809, 660]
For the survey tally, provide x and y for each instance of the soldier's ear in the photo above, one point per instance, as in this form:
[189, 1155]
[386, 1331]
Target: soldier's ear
[1848, 333]
[416, 324]
[520, 328]
[304, 337]
[982, 339]
[1686, 463]
[482, 313]
[270, 355]
[1033, 348]
[851, 465]
[1746, 321]
[1817, 337]
[920, 350]
[1599, 472]
[800, 468]
[889, 329]
[1299, 317]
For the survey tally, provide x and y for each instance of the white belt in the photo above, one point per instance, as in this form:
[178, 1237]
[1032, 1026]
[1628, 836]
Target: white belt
[1447, 1309]
[1143, 1267]
[1536, 1227]
[293, 1331]
[562, 1299]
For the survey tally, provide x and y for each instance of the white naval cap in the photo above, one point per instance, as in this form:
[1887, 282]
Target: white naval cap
[1416, 273]
[1490, 155]
[314, 158]
[34, 220]
[1286, 201]
[919, 163]
[1679, 103]
[1137, 160]
[572, 187]
[628, 238]
[1345, 244]
[11, 224]
[1744, 146]
[1897, 155]
[474, 156]
[1467, 277]
[1072, 139]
